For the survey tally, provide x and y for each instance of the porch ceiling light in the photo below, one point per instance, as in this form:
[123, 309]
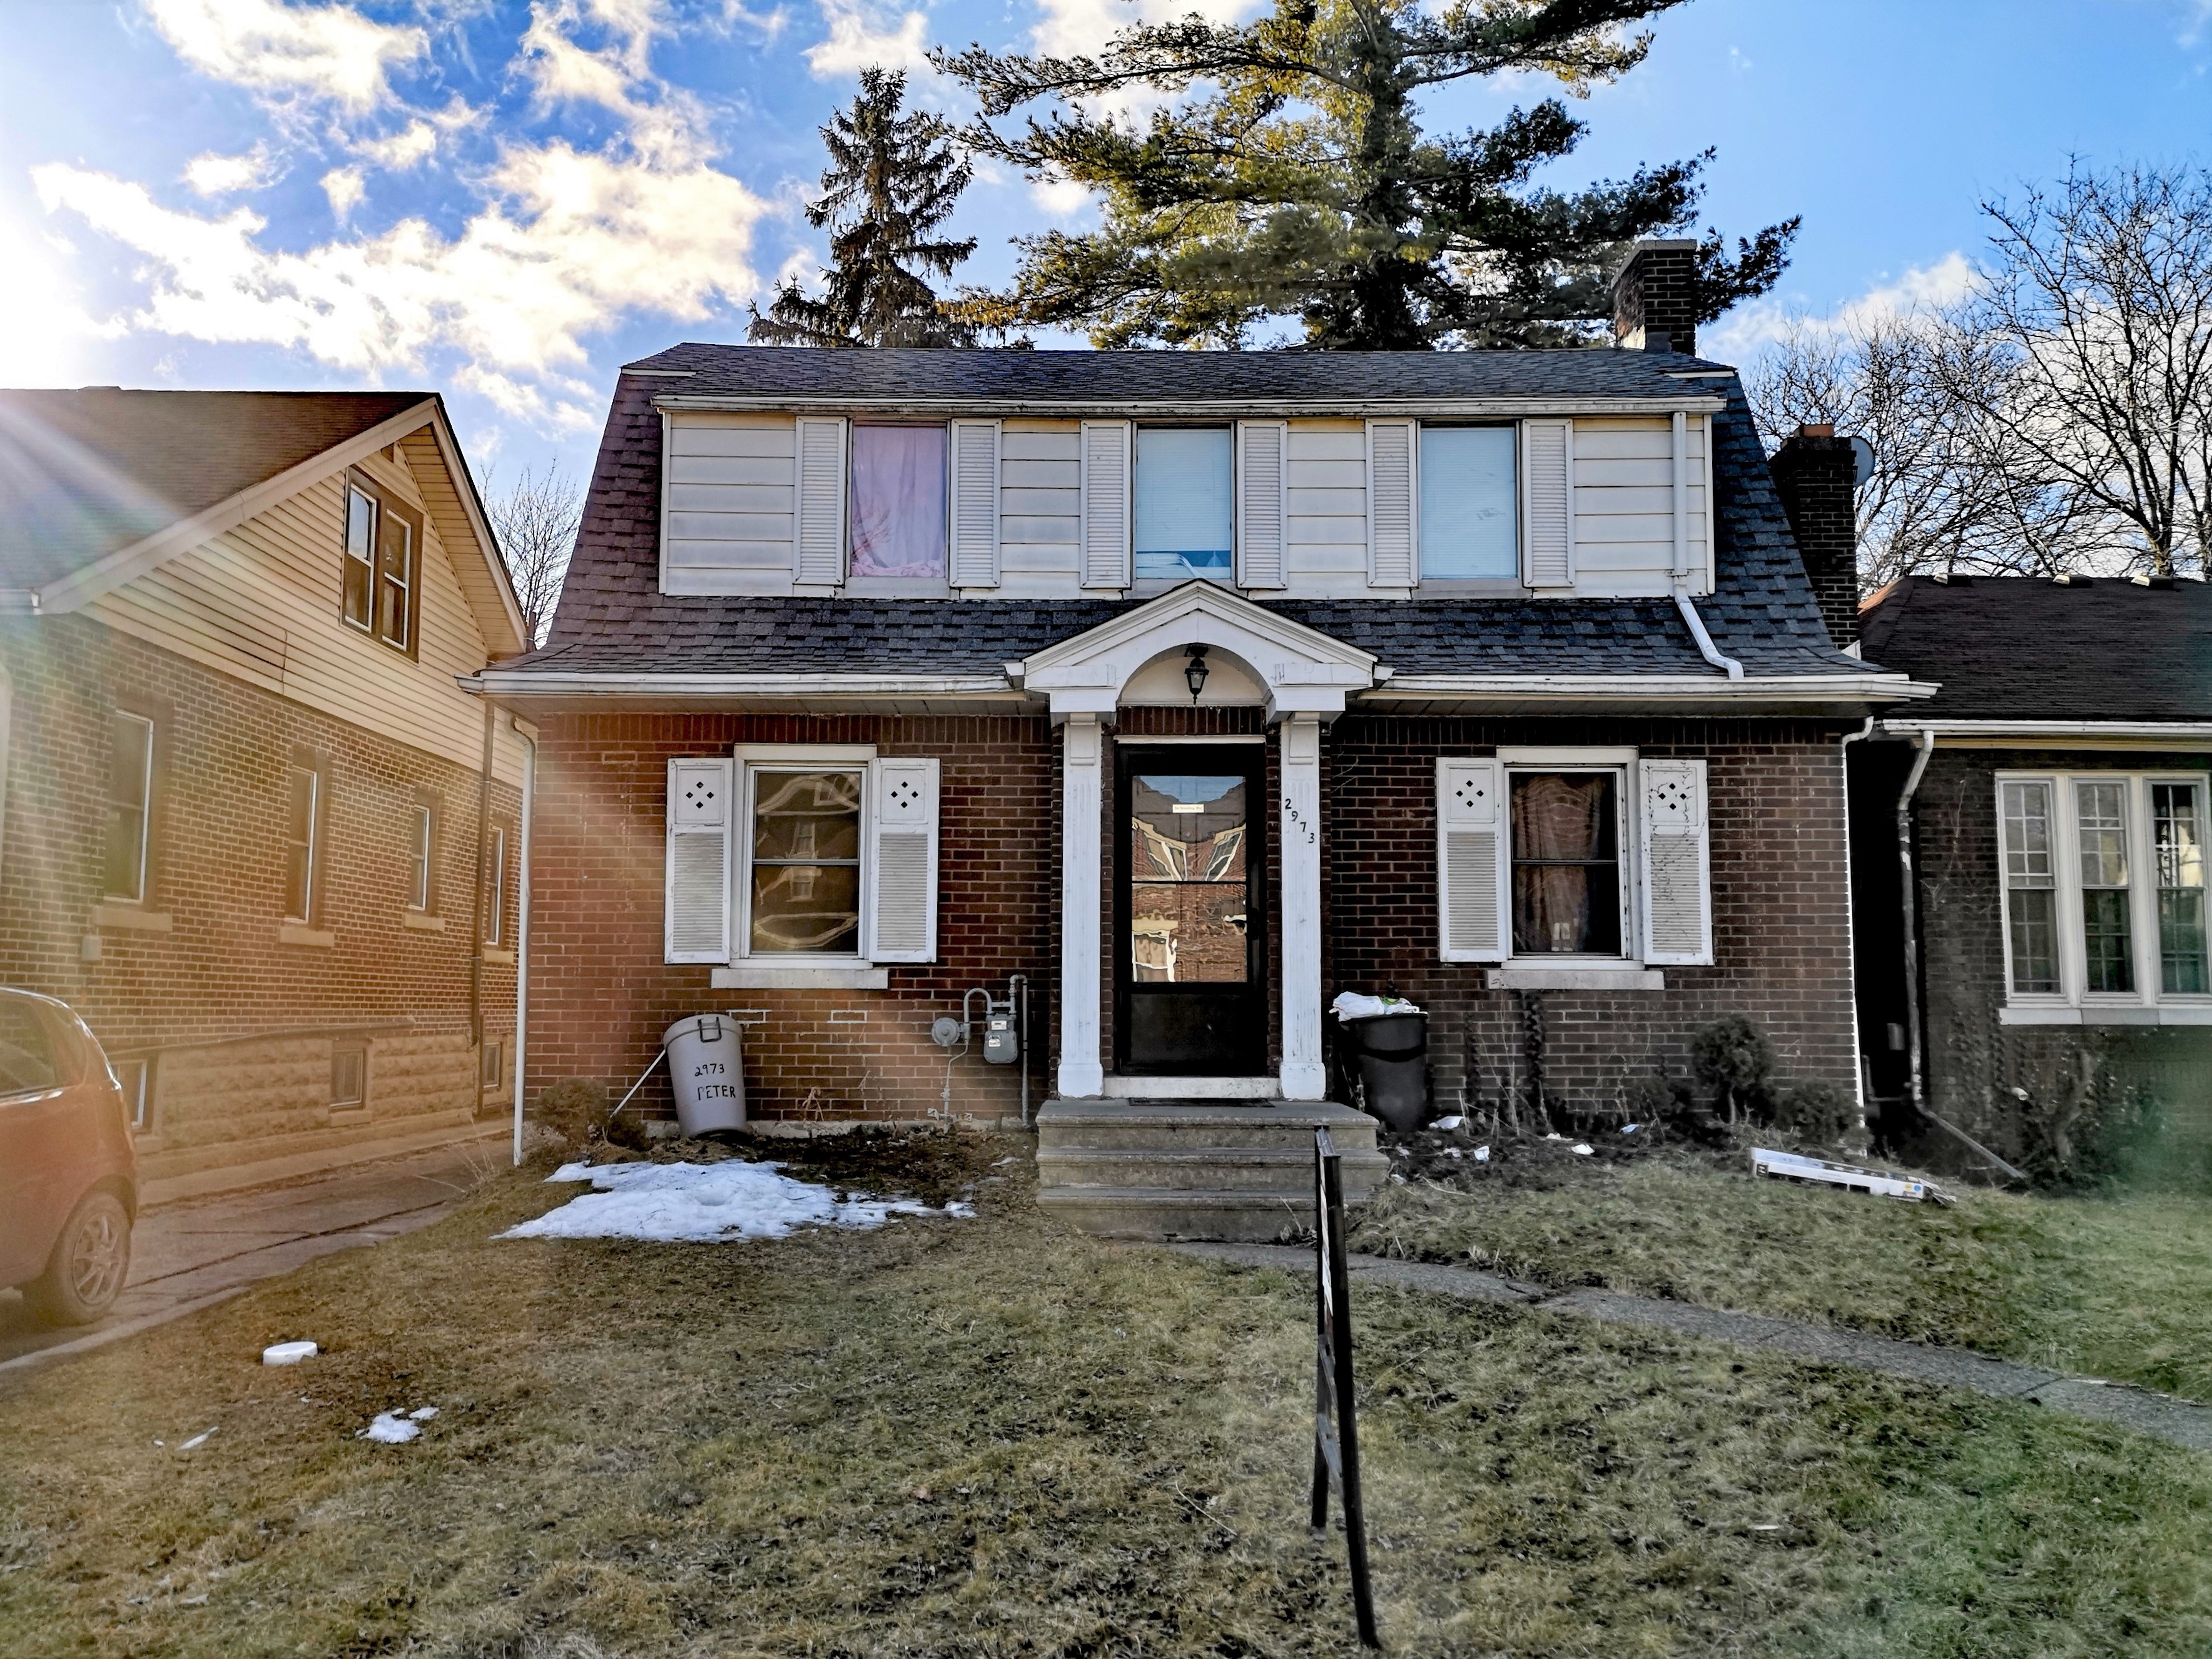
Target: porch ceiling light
[1195, 671]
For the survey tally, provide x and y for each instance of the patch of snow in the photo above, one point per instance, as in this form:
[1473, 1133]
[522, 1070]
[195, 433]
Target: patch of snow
[422, 1413]
[288, 1354]
[197, 1441]
[1631, 1129]
[390, 1429]
[1482, 1154]
[709, 1204]
[1580, 1149]
[1555, 1137]
[1451, 1123]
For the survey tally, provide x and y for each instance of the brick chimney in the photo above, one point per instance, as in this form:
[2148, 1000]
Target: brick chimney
[1817, 474]
[1655, 299]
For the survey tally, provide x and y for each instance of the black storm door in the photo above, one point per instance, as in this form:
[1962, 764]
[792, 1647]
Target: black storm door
[1190, 933]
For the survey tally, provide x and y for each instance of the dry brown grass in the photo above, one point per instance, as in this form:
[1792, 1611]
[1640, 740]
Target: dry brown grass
[990, 1438]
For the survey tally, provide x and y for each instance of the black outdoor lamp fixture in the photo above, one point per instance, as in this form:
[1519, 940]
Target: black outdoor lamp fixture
[1195, 671]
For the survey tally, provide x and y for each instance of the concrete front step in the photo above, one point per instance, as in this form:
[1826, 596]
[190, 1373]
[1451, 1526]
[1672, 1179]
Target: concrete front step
[1192, 1170]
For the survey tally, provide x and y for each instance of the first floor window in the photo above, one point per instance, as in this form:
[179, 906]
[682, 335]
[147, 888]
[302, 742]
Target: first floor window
[302, 821]
[2101, 820]
[495, 893]
[1185, 520]
[1566, 863]
[2032, 887]
[2177, 818]
[806, 862]
[422, 856]
[129, 793]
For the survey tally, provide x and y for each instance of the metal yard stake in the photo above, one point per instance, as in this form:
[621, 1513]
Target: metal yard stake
[1336, 1429]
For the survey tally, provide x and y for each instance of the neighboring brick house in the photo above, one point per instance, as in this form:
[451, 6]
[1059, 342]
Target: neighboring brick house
[245, 805]
[2053, 955]
[1494, 676]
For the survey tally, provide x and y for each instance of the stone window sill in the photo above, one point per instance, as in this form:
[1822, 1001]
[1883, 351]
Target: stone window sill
[499, 955]
[130, 915]
[1623, 978]
[293, 933]
[421, 922]
[2059, 1013]
[763, 976]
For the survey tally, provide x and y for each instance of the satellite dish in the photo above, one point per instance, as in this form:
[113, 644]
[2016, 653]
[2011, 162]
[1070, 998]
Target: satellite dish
[1862, 461]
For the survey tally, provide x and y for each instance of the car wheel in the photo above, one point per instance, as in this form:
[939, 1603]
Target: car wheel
[90, 1261]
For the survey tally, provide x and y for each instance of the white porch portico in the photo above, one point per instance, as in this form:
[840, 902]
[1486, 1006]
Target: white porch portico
[1301, 678]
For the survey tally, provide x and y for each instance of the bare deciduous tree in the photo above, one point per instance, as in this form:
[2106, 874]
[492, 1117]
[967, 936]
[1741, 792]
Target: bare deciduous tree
[535, 520]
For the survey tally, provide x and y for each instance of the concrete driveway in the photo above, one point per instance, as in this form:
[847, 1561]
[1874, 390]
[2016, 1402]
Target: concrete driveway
[194, 1253]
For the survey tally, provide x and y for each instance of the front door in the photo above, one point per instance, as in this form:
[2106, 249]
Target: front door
[1189, 997]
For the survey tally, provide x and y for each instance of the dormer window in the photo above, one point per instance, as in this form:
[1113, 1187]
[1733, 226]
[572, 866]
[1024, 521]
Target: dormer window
[1470, 522]
[897, 516]
[1184, 521]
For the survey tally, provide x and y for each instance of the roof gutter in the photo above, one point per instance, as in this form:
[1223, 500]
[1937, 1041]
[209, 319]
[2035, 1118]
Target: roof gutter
[1739, 688]
[510, 683]
[1989, 734]
[1706, 648]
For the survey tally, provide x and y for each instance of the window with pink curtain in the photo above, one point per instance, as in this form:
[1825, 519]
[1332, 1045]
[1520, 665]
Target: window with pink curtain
[1566, 864]
[898, 501]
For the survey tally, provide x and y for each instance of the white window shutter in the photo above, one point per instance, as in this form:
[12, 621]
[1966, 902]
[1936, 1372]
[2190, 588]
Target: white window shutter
[1263, 513]
[1547, 502]
[1106, 503]
[701, 808]
[901, 918]
[975, 503]
[1676, 863]
[820, 511]
[1473, 860]
[1393, 533]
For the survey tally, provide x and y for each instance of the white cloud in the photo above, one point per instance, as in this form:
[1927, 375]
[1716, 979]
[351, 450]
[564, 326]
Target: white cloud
[1069, 27]
[1062, 199]
[216, 174]
[571, 242]
[345, 187]
[861, 36]
[409, 148]
[327, 54]
[1750, 329]
[664, 122]
[58, 351]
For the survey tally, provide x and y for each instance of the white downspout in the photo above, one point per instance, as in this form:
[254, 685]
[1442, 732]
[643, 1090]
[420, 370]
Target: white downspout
[1850, 916]
[1705, 646]
[528, 733]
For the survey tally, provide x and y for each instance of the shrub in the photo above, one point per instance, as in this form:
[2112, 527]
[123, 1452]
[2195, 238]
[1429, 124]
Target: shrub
[574, 1109]
[1817, 1111]
[1733, 1060]
[1655, 1099]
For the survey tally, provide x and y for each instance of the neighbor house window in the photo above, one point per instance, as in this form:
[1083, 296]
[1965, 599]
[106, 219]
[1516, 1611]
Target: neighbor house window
[422, 855]
[804, 889]
[1470, 514]
[494, 1071]
[1566, 863]
[136, 1077]
[381, 555]
[897, 508]
[496, 891]
[1185, 520]
[2104, 893]
[349, 1076]
[129, 792]
[302, 832]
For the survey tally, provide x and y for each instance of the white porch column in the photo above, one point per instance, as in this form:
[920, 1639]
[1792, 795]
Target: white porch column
[1305, 1077]
[1081, 800]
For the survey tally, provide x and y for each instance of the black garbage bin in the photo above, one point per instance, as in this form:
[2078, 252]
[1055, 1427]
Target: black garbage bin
[1392, 1052]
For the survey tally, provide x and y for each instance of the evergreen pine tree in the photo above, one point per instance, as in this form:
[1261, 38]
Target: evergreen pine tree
[892, 180]
[1298, 182]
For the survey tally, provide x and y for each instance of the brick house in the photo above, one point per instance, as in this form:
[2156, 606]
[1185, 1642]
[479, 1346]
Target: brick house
[1194, 688]
[2042, 954]
[250, 827]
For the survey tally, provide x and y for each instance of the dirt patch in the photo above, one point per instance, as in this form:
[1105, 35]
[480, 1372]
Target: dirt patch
[934, 1165]
[1523, 1161]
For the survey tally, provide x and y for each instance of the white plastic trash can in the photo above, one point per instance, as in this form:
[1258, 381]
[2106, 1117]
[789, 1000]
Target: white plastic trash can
[708, 1075]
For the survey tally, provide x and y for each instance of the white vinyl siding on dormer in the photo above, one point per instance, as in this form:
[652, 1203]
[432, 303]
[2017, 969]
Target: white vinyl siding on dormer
[731, 526]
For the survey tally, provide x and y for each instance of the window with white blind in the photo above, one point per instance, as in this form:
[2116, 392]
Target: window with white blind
[1185, 520]
[2104, 897]
[1470, 504]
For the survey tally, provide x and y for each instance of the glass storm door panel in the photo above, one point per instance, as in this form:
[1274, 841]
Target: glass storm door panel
[1190, 999]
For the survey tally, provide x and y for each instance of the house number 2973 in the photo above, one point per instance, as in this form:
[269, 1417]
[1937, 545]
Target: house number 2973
[1297, 822]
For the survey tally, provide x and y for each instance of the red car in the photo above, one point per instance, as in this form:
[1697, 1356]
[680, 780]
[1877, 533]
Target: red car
[69, 1180]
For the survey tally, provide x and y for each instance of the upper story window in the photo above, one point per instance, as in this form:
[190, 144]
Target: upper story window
[130, 793]
[897, 510]
[1184, 518]
[1470, 505]
[2104, 890]
[382, 556]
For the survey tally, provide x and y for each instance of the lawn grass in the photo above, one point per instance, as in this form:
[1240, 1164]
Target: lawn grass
[990, 1437]
[2117, 1287]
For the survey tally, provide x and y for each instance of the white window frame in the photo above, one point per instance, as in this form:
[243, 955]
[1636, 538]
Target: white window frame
[424, 855]
[753, 759]
[1621, 763]
[137, 895]
[315, 842]
[495, 906]
[2073, 1003]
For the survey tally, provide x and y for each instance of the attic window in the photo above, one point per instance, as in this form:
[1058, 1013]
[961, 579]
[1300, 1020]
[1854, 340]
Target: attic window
[381, 589]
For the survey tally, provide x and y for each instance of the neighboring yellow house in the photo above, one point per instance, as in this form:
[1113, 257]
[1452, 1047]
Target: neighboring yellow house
[250, 826]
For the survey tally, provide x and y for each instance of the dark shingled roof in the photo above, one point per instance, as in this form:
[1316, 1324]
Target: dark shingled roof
[83, 473]
[2016, 647]
[612, 618]
[1117, 377]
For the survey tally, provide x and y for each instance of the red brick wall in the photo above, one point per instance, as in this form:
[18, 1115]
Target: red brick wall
[1780, 922]
[216, 871]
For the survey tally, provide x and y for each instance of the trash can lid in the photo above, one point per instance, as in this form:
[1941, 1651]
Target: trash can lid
[708, 1028]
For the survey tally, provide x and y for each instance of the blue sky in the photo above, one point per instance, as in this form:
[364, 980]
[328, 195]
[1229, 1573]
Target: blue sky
[505, 201]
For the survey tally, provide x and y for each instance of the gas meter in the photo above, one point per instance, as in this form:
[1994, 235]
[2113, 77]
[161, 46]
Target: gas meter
[1001, 1046]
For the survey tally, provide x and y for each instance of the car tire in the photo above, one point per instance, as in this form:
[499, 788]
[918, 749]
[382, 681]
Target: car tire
[91, 1260]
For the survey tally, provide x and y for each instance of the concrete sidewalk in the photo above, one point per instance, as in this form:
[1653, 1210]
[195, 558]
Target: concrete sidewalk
[191, 1255]
[2181, 1422]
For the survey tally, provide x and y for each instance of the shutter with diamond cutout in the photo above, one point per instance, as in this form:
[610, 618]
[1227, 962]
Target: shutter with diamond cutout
[902, 854]
[1471, 860]
[701, 806]
[1675, 859]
